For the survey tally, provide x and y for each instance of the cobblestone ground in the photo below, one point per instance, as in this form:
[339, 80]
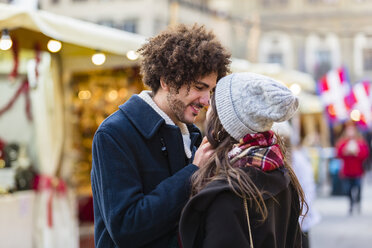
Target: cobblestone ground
[339, 229]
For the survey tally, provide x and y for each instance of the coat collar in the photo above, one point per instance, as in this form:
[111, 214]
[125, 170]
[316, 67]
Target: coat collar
[145, 118]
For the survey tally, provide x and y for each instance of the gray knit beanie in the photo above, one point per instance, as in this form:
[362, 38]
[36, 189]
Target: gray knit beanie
[250, 103]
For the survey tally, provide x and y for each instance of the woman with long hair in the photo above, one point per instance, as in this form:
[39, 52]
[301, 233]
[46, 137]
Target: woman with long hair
[247, 194]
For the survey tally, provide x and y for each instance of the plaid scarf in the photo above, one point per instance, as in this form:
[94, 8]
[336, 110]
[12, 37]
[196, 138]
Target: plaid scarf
[260, 150]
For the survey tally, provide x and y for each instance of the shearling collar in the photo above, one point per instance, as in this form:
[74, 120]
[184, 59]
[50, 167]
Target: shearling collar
[145, 118]
[146, 96]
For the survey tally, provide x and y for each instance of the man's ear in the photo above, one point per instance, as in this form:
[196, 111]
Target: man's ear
[164, 85]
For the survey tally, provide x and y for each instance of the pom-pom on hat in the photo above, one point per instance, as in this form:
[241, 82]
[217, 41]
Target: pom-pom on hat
[251, 103]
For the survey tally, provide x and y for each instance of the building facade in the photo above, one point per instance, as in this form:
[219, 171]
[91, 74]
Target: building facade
[307, 35]
[311, 35]
[145, 17]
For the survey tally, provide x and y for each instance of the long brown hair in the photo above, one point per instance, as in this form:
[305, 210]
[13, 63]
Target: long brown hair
[219, 167]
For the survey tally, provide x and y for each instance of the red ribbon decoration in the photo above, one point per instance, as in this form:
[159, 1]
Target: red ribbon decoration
[37, 60]
[2, 146]
[24, 88]
[28, 100]
[15, 50]
[53, 185]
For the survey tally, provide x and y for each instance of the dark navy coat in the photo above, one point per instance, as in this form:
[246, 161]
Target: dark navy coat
[140, 178]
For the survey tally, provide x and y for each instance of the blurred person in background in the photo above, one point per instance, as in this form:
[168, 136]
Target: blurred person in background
[353, 150]
[302, 167]
[145, 153]
[246, 195]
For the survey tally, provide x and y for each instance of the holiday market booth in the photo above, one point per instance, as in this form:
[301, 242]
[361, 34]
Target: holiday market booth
[59, 78]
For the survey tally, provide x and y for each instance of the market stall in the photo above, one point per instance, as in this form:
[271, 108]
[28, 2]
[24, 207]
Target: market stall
[59, 78]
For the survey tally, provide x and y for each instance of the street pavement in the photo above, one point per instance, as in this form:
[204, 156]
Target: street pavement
[339, 229]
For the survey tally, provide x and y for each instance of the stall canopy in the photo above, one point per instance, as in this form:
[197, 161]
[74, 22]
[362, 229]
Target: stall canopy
[80, 36]
[47, 76]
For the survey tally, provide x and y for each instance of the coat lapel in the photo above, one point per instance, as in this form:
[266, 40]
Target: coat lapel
[195, 137]
[174, 144]
[148, 122]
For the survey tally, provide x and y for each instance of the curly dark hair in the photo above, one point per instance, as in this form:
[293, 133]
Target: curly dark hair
[181, 55]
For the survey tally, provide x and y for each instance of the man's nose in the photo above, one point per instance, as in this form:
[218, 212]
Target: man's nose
[205, 98]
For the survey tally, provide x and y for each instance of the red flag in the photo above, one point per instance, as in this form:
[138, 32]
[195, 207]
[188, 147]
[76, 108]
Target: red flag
[361, 94]
[335, 91]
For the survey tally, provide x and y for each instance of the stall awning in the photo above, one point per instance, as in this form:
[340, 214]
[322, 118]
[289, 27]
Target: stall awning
[26, 25]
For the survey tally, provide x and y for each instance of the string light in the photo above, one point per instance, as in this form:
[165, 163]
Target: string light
[355, 115]
[54, 46]
[112, 95]
[98, 58]
[331, 110]
[132, 55]
[296, 89]
[84, 95]
[5, 41]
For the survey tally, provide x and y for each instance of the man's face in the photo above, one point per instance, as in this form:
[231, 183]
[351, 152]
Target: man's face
[186, 105]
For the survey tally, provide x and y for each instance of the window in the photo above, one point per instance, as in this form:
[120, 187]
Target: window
[107, 23]
[197, 4]
[322, 1]
[323, 56]
[323, 63]
[275, 57]
[367, 59]
[159, 25]
[129, 25]
[274, 2]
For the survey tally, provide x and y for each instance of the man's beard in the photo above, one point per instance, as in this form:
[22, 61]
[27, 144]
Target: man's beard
[177, 107]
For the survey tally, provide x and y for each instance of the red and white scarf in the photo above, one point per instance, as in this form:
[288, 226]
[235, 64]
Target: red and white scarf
[260, 150]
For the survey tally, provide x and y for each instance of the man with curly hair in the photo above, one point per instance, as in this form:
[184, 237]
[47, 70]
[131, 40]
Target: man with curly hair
[145, 152]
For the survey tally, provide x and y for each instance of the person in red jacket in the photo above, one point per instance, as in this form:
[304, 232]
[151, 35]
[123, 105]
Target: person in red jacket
[353, 150]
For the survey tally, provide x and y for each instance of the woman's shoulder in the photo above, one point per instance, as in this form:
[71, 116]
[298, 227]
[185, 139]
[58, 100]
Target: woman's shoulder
[215, 191]
[272, 182]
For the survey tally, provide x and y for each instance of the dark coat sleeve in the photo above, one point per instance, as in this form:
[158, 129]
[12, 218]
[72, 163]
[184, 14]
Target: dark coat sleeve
[132, 218]
[226, 225]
